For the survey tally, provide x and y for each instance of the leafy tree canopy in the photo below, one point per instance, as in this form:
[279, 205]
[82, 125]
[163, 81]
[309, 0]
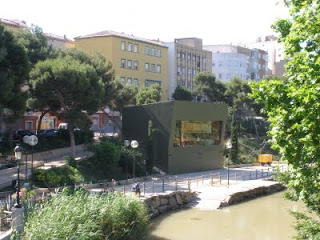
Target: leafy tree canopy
[181, 93]
[13, 72]
[293, 107]
[150, 94]
[207, 85]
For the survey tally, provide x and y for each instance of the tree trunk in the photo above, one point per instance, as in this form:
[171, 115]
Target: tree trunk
[72, 141]
[40, 120]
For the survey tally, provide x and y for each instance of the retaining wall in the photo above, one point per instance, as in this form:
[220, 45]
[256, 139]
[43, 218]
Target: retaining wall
[163, 203]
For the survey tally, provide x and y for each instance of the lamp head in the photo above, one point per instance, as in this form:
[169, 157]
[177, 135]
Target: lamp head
[228, 144]
[126, 143]
[18, 152]
[134, 144]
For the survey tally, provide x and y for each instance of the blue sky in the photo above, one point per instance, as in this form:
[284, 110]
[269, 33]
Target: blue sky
[215, 21]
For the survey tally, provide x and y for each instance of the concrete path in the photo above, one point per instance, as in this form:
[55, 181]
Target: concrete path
[7, 175]
[212, 198]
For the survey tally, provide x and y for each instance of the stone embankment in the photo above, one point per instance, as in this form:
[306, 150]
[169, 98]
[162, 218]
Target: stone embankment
[163, 203]
[210, 198]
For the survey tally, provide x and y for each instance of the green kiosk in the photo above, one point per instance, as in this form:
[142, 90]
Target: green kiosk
[187, 136]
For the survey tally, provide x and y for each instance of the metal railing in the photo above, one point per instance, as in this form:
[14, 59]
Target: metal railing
[164, 184]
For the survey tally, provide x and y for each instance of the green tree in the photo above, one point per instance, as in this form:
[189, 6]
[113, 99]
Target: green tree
[208, 86]
[181, 93]
[150, 94]
[75, 85]
[14, 71]
[35, 44]
[293, 107]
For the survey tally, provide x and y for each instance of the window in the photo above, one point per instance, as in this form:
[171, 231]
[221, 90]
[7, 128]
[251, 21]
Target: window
[197, 133]
[204, 60]
[146, 67]
[182, 55]
[129, 81]
[28, 125]
[188, 57]
[189, 70]
[129, 64]
[147, 52]
[135, 82]
[179, 71]
[149, 82]
[193, 58]
[135, 65]
[153, 51]
[159, 53]
[158, 68]
[123, 63]
[130, 47]
[183, 70]
[135, 48]
[193, 71]
[220, 76]
[123, 80]
[152, 67]
[179, 54]
[123, 45]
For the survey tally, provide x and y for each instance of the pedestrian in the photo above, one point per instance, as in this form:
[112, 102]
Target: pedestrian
[136, 188]
[114, 183]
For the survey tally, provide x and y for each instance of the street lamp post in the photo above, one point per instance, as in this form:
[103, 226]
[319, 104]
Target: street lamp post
[134, 144]
[228, 147]
[32, 141]
[18, 155]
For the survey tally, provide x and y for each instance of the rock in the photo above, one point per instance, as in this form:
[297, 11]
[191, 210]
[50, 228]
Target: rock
[179, 199]
[156, 202]
[163, 209]
[164, 201]
[172, 202]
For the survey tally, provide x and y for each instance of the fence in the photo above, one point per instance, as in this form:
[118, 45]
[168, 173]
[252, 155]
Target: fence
[163, 184]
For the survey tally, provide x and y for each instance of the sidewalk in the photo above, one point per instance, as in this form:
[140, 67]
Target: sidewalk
[7, 175]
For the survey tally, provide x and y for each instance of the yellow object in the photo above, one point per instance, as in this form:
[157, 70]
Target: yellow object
[265, 158]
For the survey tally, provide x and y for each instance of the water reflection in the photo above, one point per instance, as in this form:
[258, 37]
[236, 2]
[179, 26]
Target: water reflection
[265, 218]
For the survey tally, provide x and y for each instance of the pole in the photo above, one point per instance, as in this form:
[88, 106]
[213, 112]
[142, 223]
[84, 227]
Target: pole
[18, 186]
[134, 168]
[126, 169]
[26, 177]
[228, 169]
[31, 169]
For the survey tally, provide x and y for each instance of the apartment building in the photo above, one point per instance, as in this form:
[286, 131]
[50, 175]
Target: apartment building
[59, 41]
[136, 61]
[229, 61]
[186, 58]
[13, 24]
[275, 52]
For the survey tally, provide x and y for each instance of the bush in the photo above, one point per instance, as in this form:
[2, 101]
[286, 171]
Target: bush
[106, 153]
[59, 176]
[83, 216]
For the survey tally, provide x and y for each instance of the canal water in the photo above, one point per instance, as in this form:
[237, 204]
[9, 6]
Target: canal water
[265, 218]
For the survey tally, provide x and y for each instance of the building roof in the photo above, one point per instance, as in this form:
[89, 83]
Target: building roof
[57, 37]
[109, 33]
[14, 23]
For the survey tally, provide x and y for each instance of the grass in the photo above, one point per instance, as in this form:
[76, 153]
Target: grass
[84, 216]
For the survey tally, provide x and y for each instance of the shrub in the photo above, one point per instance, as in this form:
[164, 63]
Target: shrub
[58, 176]
[106, 153]
[83, 216]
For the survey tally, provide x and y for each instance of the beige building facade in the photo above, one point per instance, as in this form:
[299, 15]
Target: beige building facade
[136, 61]
[187, 58]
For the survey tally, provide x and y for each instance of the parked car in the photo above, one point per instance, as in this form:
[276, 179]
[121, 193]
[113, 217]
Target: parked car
[18, 135]
[48, 132]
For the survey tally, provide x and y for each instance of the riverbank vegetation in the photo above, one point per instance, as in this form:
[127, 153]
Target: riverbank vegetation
[83, 216]
[293, 109]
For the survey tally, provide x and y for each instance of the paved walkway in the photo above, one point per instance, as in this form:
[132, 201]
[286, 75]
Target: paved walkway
[7, 175]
